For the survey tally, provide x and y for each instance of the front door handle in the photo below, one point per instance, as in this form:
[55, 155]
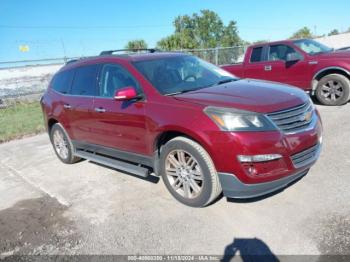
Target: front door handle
[100, 110]
[67, 106]
[268, 68]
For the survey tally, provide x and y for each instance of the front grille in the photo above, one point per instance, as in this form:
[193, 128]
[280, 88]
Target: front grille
[294, 119]
[306, 156]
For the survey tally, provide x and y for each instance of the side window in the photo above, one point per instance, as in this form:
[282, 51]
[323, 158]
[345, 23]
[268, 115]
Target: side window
[84, 82]
[114, 77]
[280, 52]
[256, 55]
[62, 81]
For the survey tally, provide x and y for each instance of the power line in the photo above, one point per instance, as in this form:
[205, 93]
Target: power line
[79, 27]
[130, 27]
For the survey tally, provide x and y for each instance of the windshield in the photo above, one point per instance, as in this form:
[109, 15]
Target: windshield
[179, 74]
[312, 47]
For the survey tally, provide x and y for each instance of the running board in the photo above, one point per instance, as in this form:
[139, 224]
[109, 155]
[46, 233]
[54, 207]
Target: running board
[117, 164]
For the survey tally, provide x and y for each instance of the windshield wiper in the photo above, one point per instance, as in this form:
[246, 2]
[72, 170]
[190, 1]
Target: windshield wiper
[180, 92]
[226, 81]
[322, 52]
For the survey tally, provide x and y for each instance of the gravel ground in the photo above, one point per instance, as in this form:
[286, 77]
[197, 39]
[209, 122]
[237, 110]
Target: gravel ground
[50, 208]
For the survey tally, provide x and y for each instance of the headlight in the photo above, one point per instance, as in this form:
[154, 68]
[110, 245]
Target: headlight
[229, 119]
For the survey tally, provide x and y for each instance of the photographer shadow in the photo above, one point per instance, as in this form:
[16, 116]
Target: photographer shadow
[249, 249]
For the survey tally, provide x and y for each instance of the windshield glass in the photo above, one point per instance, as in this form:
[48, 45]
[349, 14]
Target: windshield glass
[312, 47]
[179, 74]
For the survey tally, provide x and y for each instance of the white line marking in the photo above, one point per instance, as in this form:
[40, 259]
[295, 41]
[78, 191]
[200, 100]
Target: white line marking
[59, 198]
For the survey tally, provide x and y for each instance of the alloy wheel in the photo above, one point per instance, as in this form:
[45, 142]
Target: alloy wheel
[61, 144]
[332, 90]
[184, 173]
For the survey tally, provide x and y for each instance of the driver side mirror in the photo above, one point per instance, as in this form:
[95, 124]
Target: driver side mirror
[126, 93]
[293, 57]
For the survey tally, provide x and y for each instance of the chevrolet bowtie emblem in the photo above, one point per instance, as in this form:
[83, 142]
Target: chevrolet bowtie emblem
[307, 116]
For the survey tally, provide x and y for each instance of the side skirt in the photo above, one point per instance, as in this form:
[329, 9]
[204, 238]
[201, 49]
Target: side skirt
[126, 161]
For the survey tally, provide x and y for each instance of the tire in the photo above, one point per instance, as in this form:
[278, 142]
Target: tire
[333, 90]
[64, 148]
[199, 169]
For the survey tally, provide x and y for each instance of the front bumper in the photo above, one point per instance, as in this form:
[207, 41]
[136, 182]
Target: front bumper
[224, 147]
[233, 188]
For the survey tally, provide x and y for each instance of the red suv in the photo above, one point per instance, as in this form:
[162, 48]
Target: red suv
[173, 115]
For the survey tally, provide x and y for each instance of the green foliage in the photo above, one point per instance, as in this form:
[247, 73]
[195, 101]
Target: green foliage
[304, 32]
[136, 44]
[203, 30]
[334, 32]
[19, 120]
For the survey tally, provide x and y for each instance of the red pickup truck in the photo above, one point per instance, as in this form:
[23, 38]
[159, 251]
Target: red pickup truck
[304, 63]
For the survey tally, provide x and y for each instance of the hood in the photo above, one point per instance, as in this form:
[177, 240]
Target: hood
[246, 94]
[338, 54]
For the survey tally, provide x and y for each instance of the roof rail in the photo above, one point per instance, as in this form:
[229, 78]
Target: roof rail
[110, 52]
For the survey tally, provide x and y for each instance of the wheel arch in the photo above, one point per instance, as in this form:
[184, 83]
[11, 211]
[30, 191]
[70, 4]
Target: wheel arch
[51, 121]
[328, 71]
[168, 134]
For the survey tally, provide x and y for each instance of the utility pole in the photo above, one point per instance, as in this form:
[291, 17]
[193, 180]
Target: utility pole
[64, 50]
[315, 30]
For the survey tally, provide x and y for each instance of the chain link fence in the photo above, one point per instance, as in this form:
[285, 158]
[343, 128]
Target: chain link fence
[220, 55]
[20, 90]
[27, 79]
[23, 82]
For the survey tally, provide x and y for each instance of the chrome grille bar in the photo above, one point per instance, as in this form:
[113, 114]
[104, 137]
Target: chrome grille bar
[293, 119]
[306, 156]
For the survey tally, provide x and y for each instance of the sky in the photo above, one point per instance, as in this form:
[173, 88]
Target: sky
[75, 27]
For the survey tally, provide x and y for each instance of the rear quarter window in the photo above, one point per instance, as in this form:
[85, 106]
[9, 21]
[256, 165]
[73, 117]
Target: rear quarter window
[62, 81]
[84, 82]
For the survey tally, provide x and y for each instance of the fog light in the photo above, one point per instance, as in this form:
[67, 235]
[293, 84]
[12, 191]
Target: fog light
[258, 158]
[251, 170]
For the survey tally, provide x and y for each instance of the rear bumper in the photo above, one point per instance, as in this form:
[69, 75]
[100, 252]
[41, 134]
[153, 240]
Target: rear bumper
[233, 188]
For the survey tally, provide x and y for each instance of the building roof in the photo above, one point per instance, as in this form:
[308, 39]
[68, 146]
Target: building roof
[335, 41]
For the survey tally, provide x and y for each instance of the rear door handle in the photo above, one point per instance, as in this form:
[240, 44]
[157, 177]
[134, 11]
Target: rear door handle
[67, 106]
[268, 68]
[100, 109]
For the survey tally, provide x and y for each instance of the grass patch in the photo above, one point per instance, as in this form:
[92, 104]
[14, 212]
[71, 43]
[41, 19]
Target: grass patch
[19, 120]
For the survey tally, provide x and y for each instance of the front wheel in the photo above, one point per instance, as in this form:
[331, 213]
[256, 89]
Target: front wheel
[188, 172]
[333, 90]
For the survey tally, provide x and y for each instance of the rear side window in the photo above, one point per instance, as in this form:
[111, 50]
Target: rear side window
[62, 81]
[256, 54]
[84, 82]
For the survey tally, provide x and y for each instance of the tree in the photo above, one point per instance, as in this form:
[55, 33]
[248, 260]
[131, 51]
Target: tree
[333, 32]
[203, 30]
[304, 32]
[260, 42]
[136, 44]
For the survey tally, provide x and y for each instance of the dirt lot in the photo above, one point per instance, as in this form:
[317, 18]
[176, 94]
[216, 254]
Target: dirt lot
[47, 207]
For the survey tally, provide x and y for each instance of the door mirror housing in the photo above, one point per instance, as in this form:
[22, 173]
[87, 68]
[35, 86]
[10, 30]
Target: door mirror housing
[125, 93]
[293, 57]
